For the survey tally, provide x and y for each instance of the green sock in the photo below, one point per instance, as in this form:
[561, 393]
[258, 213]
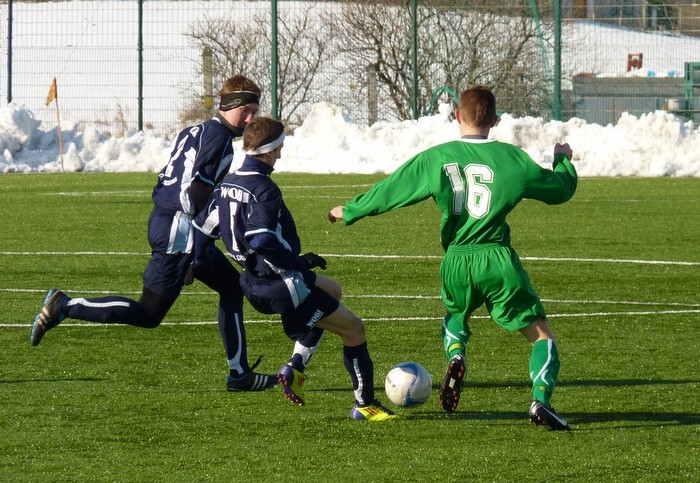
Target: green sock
[454, 337]
[544, 369]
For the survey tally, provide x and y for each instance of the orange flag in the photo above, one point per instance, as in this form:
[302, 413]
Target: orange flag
[53, 92]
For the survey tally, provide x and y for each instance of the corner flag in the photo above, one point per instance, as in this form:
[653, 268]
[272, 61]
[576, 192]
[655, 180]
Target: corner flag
[53, 96]
[53, 92]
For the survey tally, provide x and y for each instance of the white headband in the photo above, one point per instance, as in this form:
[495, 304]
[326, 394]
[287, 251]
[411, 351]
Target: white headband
[266, 148]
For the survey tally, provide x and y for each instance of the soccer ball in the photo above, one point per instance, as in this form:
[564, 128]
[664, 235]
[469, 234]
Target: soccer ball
[408, 384]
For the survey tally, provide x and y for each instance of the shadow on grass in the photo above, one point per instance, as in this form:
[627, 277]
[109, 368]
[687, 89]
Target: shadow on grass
[645, 418]
[574, 419]
[57, 379]
[574, 383]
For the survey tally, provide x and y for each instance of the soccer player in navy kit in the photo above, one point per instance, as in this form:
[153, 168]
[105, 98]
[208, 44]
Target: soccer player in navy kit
[249, 214]
[200, 159]
[475, 182]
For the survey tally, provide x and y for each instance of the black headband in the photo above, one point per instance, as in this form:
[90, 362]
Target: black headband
[234, 99]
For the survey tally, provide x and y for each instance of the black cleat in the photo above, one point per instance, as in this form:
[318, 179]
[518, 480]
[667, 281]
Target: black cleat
[49, 317]
[251, 381]
[452, 384]
[541, 415]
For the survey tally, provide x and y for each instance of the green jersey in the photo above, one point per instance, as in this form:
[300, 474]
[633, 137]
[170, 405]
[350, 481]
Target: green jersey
[474, 182]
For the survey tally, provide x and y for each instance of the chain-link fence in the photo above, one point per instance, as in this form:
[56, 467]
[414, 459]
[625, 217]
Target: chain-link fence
[157, 64]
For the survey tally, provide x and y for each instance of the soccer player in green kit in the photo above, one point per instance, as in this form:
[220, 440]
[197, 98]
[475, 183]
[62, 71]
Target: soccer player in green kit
[476, 181]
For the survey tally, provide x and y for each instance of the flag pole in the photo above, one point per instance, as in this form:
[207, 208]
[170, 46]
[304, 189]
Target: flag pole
[60, 135]
[53, 96]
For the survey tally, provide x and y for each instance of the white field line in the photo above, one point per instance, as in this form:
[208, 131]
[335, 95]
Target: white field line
[148, 192]
[370, 256]
[592, 314]
[389, 319]
[70, 323]
[374, 296]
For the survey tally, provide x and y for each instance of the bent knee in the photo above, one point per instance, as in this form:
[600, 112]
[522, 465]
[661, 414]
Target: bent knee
[150, 322]
[358, 326]
[336, 291]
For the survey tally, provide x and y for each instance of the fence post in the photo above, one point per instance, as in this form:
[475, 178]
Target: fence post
[372, 94]
[140, 48]
[274, 57]
[556, 107]
[9, 51]
[414, 67]
[208, 81]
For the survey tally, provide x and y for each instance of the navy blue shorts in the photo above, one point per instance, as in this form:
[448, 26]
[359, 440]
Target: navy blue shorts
[294, 296]
[165, 272]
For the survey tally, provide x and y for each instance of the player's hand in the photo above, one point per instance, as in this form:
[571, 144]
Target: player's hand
[313, 260]
[196, 270]
[564, 149]
[335, 214]
[189, 276]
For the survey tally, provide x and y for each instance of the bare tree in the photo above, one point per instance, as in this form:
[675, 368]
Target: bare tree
[245, 48]
[460, 43]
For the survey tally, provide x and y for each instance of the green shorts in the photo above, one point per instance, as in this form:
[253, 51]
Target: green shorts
[490, 275]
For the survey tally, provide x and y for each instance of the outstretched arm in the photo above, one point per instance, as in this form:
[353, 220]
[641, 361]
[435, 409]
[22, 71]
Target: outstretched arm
[406, 186]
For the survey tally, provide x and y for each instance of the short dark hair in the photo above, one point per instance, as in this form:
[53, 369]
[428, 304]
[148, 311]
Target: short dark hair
[261, 131]
[477, 106]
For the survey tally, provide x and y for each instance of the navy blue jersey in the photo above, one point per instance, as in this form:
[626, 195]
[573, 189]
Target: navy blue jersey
[203, 152]
[248, 212]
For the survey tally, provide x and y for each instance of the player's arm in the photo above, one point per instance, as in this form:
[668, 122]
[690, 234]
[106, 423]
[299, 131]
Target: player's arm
[200, 191]
[263, 237]
[557, 185]
[406, 186]
[211, 150]
[267, 245]
[206, 231]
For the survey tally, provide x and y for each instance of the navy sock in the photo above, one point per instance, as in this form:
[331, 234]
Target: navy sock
[361, 369]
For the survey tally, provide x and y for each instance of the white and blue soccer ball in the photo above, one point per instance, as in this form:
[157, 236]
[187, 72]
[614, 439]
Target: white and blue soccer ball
[408, 384]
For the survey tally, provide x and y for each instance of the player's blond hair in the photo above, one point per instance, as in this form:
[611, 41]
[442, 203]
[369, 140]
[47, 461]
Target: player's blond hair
[239, 83]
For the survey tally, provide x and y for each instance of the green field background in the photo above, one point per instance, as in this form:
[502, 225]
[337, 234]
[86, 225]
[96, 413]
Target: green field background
[618, 269]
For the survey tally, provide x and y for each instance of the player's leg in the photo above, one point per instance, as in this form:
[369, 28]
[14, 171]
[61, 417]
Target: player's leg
[305, 348]
[544, 360]
[301, 311]
[219, 274]
[515, 306]
[307, 345]
[544, 372]
[455, 335]
[329, 286]
[147, 313]
[358, 363]
[162, 281]
[460, 300]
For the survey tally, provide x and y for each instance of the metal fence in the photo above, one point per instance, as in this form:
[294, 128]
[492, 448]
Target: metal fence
[156, 64]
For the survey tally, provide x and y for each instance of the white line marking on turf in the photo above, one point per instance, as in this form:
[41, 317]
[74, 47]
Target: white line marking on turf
[148, 192]
[370, 319]
[408, 257]
[74, 253]
[371, 296]
[100, 193]
[327, 186]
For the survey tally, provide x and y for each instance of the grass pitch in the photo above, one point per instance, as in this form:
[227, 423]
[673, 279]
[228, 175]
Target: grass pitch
[618, 269]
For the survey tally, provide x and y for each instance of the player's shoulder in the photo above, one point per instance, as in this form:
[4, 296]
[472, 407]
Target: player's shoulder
[258, 184]
[511, 150]
[215, 126]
